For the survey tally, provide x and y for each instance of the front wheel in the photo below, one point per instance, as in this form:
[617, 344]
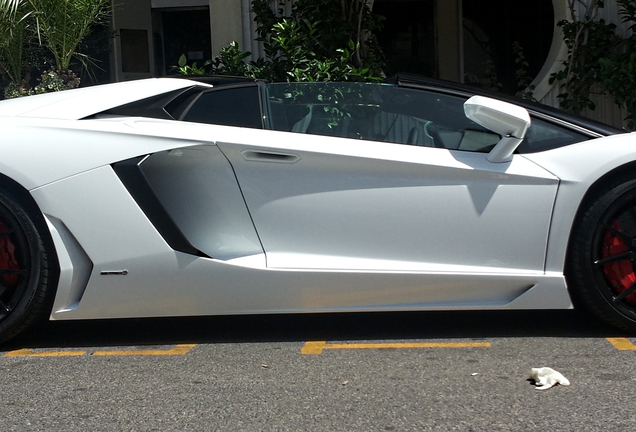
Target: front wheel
[601, 268]
[24, 272]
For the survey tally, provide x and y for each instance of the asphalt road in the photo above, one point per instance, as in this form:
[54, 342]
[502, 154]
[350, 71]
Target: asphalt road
[463, 371]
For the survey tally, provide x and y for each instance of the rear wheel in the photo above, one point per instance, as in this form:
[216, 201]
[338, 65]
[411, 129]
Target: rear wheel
[601, 269]
[24, 272]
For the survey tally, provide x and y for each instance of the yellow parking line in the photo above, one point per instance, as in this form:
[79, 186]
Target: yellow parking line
[180, 349]
[32, 353]
[317, 347]
[622, 344]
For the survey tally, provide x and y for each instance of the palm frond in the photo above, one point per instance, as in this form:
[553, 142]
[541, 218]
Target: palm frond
[14, 31]
[62, 24]
[9, 7]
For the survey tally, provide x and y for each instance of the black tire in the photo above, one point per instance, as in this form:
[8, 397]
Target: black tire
[601, 265]
[24, 271]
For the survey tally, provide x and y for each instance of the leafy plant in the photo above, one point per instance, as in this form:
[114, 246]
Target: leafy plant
[51, 81]
[321, 40]
[183, 68]
[598, 59]
[581, 69]
[13, 90]
[231, 61]
[524, 80]
[298, 56]
[618, 71]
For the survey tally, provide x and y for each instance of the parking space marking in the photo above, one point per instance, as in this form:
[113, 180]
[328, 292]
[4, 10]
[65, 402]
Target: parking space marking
[622, 344]
[316, 347]
[33, 353]
[180, 349]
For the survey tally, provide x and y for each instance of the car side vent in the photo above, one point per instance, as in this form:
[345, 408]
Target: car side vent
[137, 185]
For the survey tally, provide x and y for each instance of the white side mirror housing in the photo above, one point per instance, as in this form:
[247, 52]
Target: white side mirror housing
[508, 120]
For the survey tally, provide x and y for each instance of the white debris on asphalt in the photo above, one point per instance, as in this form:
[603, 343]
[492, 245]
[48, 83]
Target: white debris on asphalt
[545, 377]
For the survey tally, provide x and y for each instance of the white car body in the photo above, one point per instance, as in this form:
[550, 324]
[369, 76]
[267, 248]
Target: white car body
[297, 222]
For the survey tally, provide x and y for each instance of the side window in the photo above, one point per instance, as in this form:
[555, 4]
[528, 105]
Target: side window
[376, 112]
[544, 135]
[426, 118]
[238, 106]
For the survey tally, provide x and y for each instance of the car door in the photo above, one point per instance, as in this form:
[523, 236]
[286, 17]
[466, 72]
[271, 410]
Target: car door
[380, 203]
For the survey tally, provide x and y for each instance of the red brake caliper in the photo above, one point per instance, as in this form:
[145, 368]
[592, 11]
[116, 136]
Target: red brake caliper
[7, 256]
[620, 273]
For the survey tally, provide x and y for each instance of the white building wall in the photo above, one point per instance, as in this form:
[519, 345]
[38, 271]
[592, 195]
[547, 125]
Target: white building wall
[226, 23]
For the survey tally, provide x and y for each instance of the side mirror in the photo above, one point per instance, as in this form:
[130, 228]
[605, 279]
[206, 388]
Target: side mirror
[508, 120]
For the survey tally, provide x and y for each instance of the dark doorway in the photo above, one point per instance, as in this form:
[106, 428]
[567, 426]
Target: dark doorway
[491, 27]
[181, 32]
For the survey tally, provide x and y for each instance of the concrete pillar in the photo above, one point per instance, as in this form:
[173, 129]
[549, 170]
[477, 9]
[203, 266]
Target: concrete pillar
[226, 24]
[134, 58]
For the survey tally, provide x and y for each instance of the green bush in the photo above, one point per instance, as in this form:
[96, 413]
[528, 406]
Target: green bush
[321, 40]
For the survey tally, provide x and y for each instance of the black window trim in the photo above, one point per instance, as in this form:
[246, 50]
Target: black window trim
[254, 83]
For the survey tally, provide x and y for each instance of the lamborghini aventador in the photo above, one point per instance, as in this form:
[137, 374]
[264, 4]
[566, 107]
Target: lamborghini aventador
[180, 197]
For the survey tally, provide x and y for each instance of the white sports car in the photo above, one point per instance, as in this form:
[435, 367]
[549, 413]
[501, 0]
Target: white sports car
[175, 197]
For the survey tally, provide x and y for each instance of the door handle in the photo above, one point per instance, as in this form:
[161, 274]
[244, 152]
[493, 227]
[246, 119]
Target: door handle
[269, 156]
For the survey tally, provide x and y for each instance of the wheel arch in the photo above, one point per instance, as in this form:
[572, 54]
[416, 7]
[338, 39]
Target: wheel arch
[594, 191]
[613, 176]
[22, 197]
[586, 292]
